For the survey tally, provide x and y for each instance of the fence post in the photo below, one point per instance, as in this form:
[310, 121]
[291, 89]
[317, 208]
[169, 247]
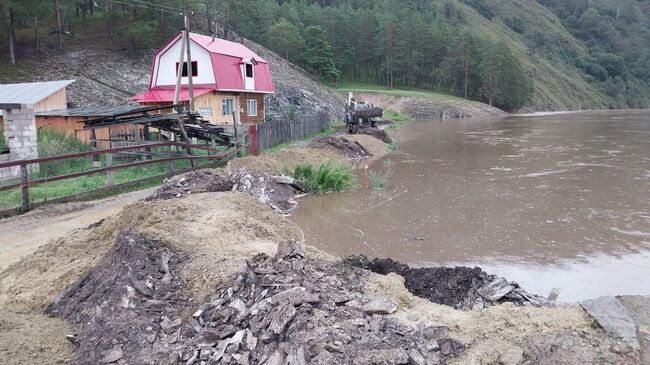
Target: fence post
[170, 169]
[253, 139]
[24, 180]
[109, 173]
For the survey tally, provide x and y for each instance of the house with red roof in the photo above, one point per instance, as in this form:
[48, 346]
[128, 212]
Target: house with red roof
[227, 78]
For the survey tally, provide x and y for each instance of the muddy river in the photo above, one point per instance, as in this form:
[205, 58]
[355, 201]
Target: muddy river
[548, 201]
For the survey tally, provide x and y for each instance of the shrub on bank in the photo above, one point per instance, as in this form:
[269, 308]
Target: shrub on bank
[324, 178]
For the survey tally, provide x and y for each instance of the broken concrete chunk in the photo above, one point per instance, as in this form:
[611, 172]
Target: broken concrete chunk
[288, 249]
[496, 290]
[432, 332]
[276, 358]
[239, 305]
[380, 306]
[614, 318]
[281, 318]
[113, 355]
[416, 358]
[294, 296]
[296, 357]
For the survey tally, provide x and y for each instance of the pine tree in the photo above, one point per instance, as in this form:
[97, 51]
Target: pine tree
[319, 55]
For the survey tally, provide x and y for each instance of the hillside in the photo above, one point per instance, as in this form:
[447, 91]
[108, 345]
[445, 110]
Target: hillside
[106, 77]
[513, 54]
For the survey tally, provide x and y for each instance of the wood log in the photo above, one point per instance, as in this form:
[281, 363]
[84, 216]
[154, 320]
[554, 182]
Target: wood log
[370, 113]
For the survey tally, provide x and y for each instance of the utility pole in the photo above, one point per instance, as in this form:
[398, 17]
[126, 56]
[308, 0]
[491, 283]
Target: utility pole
[190, 83]
[179, 75]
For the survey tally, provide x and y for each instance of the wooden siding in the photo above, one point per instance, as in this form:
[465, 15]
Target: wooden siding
[243, 106]
[56, 101]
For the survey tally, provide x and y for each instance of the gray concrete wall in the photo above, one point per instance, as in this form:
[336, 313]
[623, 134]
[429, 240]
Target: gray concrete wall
[20, 138]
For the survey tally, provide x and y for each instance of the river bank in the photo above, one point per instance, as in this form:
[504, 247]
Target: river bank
[213, 276]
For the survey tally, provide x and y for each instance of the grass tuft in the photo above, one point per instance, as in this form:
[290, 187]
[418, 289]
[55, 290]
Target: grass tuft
[325, 178]
[379, 179]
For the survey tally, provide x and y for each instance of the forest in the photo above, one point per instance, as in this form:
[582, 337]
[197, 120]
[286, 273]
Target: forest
[424, 44]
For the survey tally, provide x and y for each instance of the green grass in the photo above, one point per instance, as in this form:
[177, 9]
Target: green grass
[346, 87]
[325, 178]
[327, 132]
[379, 179]
[53, 143]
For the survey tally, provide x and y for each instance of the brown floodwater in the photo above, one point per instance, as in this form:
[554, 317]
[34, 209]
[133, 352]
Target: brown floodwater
[558, 200]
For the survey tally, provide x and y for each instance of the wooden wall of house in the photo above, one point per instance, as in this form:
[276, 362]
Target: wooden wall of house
[210, 106]
[56, 101]
[243, 106]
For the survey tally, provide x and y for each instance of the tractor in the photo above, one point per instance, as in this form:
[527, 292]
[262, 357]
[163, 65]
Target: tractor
[360, 114]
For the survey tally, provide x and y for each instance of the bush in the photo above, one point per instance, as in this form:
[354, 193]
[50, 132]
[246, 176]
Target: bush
[54, 143]
[517, 24]
[325, 178]
[2, 139]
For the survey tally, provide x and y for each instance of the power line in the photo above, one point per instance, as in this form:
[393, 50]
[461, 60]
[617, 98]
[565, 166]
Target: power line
[166, 10]
[156, 5]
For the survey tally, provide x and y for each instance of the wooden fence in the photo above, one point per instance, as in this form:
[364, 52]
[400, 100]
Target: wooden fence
[26, 182]
[274, 132]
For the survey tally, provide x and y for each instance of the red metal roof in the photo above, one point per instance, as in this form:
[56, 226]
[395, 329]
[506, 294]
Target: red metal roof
[167, 95]
[227, 58]
[224, 47]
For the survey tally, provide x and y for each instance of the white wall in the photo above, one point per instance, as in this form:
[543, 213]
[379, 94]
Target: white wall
[249, 82]
[165, 67]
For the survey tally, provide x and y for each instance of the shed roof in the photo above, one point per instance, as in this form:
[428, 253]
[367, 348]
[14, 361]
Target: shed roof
[30, 92]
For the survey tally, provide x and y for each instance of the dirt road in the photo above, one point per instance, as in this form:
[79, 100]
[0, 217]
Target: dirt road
[24, 234]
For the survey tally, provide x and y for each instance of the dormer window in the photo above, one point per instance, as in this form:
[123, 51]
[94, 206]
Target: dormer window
[249, 70]
[184, 72]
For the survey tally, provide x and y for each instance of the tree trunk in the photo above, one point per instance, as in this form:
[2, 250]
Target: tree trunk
[11, 35]
[57, 14]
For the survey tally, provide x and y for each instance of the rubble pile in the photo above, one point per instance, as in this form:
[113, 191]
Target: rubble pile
[131, 309]
[342, 145]
[380, 134]
[289, 310]
[200, 181]
[460, 287]
[124, 303]
[276, 191]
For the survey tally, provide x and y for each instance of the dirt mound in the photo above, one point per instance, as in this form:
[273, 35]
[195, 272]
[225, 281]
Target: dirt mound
[459, 287]
[287, 158]
[342, 145]
[33, 339]
[211, 227]
[276, 191]
[277, 310]
[380, 134]
[201, 181]
[115, 302]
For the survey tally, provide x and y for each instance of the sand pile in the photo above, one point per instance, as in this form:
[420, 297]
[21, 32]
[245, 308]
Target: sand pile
[275, 163]
[212, 227]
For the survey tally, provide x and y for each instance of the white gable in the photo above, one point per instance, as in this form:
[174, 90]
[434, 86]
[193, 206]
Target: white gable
[164, 71]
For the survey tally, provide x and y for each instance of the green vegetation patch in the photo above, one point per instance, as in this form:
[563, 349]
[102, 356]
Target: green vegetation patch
[325, 178]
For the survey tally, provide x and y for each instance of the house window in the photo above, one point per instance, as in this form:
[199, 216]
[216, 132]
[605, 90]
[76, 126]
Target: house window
[195, 69]
[249, 70]
[252, 107]
[206, 112]
[226, 106]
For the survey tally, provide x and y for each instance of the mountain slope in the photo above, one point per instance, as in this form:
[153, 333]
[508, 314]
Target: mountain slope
[557, 84]
[104, 77]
